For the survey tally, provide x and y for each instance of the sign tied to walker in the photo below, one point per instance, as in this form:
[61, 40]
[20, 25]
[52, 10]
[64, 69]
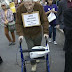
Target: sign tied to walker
[32, 19]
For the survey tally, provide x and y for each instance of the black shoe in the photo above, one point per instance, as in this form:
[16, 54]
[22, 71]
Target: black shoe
[63, 49]
[13, 43]
[10, 43]
[1, 61]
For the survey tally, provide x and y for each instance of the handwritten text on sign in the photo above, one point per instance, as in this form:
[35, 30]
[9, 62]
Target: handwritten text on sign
[31, 20]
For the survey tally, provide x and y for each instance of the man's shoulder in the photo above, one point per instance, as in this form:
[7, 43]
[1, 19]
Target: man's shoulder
[37, 5]
[62, 1]
[21, 6]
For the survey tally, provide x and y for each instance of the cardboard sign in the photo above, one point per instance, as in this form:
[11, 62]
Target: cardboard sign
[32, 19]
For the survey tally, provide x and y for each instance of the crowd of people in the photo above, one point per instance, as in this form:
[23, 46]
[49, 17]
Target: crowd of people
[52, 13]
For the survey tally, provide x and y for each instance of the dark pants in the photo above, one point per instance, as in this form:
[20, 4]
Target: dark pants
[31, 42]
[68, 62]
[52, 29]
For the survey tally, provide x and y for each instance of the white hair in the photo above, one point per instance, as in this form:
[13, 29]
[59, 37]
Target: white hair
[28, 0]
[4, 3]
[36, 0]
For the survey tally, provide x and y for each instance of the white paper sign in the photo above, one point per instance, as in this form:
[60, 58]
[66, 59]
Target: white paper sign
[31, 19]
[19, 1]
[51, 17]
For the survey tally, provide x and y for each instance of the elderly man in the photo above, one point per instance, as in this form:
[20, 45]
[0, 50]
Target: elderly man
[32, 34]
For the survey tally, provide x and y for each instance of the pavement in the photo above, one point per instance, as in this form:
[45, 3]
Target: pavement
[11, 55]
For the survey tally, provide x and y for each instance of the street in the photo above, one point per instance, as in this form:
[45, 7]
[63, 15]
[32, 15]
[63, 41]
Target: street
[11, 55]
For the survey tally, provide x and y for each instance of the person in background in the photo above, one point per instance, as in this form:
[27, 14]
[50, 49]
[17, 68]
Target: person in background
[38, 1]
[43, 3]
[52, 25]
[68, 37]
[63, 5]
[33, 34]
[54, 1]
[57, 2]
[6, 17]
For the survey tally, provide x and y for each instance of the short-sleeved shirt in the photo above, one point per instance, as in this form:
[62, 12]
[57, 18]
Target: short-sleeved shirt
[47, 8]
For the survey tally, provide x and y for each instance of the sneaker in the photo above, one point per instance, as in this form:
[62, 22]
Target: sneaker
[33, 68]
[55, 42]
[37, 61]
[49, 40]
[10, 43]
[13, 43]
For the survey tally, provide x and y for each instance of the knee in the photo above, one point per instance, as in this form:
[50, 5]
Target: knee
[12, 32]
[6, 33]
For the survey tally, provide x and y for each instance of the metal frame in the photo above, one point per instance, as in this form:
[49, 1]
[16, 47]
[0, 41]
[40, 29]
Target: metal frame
[23, 66]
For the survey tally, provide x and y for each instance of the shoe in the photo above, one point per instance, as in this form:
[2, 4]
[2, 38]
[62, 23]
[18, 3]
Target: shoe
[55, 42]
[37, 61]
[49, 40]
[1, 61]
[10, 43]
[13, 43]
[33, 68]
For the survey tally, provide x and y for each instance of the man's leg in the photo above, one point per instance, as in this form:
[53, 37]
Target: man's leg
[13, 36]
[37, 40]
[68, 61]
[50, 33]
[7, 34]
[30, 44]
[54, 33]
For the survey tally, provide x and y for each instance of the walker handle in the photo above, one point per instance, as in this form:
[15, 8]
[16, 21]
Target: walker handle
[32, 50]
[46, 40]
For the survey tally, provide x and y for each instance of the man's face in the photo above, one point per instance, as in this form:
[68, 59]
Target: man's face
[3, 7]
[50, 1]
[43, 0]
[29, 6]
[70, 0]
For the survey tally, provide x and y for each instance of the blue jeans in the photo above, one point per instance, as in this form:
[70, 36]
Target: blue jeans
[52, 29]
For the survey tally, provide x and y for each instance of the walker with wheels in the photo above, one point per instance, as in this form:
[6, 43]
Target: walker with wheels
[36, 53]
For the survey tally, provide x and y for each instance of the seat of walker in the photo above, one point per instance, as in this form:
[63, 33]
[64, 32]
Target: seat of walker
[27, 58]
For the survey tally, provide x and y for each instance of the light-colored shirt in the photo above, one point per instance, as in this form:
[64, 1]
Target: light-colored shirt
[9, 16]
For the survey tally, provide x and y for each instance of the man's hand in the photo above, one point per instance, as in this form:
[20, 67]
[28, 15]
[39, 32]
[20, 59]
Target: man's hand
[46, 35]
[57, 26]
[53, 11]
[20, 38]
[6, 22]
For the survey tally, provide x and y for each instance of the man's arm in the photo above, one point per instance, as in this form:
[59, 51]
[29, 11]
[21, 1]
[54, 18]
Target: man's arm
[19, 26]
[44, 21]
[59, 13]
